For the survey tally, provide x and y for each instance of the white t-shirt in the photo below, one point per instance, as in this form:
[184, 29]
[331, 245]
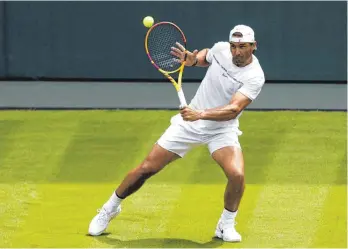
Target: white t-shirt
[222, 80]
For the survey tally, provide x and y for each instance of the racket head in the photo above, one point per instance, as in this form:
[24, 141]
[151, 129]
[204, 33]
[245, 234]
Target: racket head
[158, 42]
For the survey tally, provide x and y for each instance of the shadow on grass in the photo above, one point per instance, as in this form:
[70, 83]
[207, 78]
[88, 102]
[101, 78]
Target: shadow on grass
[157, 242]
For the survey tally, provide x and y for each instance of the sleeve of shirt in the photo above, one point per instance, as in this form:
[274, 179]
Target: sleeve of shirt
[215, 49]
[252, 87]
[209, 56]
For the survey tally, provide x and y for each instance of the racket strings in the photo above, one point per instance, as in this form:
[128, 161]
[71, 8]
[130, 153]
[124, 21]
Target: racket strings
[160, 41]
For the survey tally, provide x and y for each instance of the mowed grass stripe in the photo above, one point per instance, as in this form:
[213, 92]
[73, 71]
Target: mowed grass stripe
[15, 200]
[312, 152]
[341, 178]
[31, 158]
[332, 232]
[301, 163]
[108, 145]
[62, 214]
[287, 216]
[262, 133]
[35, 150]
[7, 129]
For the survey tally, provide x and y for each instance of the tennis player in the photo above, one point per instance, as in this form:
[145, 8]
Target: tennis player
[233, 80]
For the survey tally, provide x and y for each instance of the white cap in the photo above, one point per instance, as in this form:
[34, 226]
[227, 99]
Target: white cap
[248, 34]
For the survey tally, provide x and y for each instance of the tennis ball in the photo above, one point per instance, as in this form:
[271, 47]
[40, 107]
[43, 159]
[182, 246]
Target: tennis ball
[148, 21]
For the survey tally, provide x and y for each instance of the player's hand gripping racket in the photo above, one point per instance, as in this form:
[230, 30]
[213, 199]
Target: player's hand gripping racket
[158, 42]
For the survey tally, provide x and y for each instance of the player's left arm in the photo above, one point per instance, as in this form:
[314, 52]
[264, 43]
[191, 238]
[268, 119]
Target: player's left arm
[240, 100]
[237, 104]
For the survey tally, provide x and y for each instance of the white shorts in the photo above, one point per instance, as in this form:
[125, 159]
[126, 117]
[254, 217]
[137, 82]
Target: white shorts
[179, 140]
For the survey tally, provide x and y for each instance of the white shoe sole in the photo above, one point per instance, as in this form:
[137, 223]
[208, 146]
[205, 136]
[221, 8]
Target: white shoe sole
[95, 234]
[218, 234]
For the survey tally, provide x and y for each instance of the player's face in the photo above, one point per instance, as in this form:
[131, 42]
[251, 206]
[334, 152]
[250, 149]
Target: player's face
[242, 53]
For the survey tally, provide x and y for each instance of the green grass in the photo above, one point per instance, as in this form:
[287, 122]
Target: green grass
[58, 167]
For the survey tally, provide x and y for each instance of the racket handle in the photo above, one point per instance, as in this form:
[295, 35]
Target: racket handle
[182, 98]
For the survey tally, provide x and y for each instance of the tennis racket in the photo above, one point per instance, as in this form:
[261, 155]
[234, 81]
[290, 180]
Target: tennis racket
[158, 42]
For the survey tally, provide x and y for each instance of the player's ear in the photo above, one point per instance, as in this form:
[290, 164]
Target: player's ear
[255, 45]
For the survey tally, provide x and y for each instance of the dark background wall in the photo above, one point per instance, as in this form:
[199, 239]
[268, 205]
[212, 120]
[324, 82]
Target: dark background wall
[304, 41]
[2, 40]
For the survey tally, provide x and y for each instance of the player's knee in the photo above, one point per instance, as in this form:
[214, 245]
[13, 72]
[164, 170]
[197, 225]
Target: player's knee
[235, 174]
[148, 168]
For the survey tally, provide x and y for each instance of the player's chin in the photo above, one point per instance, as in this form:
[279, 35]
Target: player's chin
[238, 62]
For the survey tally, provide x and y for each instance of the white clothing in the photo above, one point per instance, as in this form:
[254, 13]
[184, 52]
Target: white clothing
[179, 140]
[222, 80]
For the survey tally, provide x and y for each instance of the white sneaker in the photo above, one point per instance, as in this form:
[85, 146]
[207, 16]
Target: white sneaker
[101, 221]
[225, 230]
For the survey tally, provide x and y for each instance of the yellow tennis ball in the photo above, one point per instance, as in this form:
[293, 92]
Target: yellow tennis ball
[148, 21]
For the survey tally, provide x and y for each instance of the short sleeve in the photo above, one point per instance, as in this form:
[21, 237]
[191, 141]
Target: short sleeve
[219, 46]
[209, 56]
[252, 87]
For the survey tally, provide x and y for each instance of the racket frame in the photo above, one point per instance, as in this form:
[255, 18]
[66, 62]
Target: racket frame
[176, 84]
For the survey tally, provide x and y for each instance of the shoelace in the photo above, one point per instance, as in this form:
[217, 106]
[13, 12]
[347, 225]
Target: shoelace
[103, 216]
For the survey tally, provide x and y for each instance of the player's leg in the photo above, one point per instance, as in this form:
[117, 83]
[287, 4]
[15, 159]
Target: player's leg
[226, 151]
[231, 160]
[173, 144]
[156, 160]
[232, 163]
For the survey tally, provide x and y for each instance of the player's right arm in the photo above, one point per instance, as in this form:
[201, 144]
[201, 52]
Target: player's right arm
[201, 59]
[195, 58]
[205, 57]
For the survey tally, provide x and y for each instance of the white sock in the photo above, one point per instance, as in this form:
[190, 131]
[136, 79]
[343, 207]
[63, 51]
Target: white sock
[112, 204]
[228, 214]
